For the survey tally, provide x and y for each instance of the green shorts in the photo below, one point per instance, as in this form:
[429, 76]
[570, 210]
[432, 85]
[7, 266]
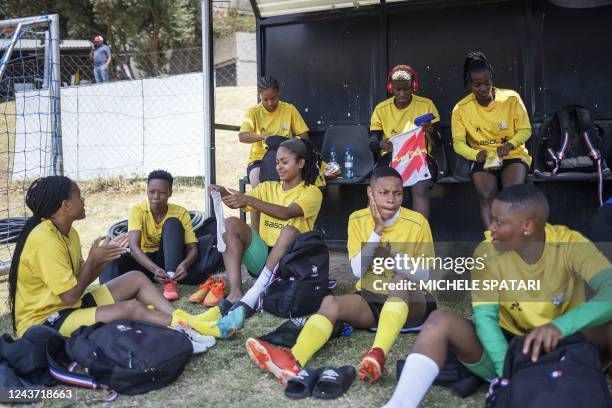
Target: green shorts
[484, 368]
[255, 256]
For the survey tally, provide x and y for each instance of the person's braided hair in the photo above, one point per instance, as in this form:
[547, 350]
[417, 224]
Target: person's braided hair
[44, 198]
[303, 149]
[475, 61]
[267, 82]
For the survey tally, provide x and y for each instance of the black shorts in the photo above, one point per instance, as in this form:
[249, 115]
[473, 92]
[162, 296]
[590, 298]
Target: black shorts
[56, 320]
[478, 166]
[376, 302]
[253, 165]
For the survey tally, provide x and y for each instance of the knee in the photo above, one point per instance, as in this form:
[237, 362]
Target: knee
[173, 224]
[231, 223]
[289, 232]
[487, 194]
[329, 307]
[136, 278]
[135, 309]
[437, 321]
[254, 177]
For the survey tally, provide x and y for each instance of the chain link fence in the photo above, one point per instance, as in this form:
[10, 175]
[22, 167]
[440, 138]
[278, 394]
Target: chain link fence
[77, 68]
[148, 116]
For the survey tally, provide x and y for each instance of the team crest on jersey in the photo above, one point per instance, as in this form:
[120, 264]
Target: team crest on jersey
[502, 126]
[557, 300]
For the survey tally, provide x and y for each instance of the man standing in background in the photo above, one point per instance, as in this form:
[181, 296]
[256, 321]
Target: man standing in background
[101, 56]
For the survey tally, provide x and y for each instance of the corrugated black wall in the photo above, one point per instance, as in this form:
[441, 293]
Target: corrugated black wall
[333, 65]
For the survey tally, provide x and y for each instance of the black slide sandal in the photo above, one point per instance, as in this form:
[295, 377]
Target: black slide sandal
[302, 384]
[333, 382]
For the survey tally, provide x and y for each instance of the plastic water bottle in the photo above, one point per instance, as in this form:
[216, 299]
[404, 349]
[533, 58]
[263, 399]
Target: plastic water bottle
[333, 156]
[348, 163]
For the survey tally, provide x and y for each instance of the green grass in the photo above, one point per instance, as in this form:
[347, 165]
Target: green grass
[225, 376]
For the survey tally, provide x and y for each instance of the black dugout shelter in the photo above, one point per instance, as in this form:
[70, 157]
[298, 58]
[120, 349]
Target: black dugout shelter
[332, 59]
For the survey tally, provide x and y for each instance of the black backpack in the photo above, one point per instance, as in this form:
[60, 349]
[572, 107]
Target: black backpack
[568, 377]
[301, 280]
[130, 357]
[268, 163]
[23, 362]
[571, 142]
[209, 260]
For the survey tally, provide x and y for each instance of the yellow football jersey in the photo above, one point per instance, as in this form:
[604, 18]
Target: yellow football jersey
[309, 199]
[284, 121]
[393, 121]
[410, 234]
[567, 262]
[476, 127]
[48, 267]
[141, 219]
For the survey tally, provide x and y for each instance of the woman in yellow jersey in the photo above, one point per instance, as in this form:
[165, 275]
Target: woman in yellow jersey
[289, 207]
[374, 234]
[490, 127]
[396, 115]
[48, 276]
[271, 117]
[523, 246]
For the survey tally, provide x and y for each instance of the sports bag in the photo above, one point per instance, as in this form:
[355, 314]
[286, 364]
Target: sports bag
[301, 280]
[568, 377]
[268, 162]
[571, 142]
[130, 357]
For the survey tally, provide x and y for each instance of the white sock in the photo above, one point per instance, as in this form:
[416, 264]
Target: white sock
[218, 206]
[418, 374]
[252, 295]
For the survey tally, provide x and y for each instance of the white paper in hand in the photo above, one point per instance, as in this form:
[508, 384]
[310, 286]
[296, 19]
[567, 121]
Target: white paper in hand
[218, 205]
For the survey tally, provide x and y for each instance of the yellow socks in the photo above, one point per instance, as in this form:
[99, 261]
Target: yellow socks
[179, 316]
[205, 327]
[392, 318]
[313, 336]
[213, 314]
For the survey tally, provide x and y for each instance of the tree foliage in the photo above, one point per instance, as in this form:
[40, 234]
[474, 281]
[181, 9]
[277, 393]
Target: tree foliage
[145, 28]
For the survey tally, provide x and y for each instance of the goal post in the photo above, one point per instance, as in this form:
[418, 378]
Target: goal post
[30, 117]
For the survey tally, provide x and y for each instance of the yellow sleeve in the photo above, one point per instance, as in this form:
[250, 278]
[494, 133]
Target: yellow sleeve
[248, 125]
[434, 110]
[259, 193]
[521, 124]
[135, 218]
[584, 258]
[53, 266]
[376, 121]
[310, 201]
[460, 137]
[190, 237]
[353, 243]
[297, 122]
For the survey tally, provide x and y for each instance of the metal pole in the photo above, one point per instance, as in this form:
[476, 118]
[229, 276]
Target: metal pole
[9, 51]
[208, 99]
[25, 20]
[47, 59]
[54, 89]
